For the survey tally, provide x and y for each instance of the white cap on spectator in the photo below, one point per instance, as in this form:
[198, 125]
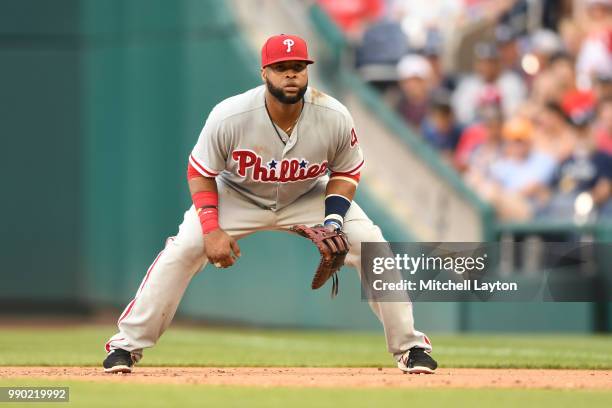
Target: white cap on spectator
[413, 66]
[546, 42]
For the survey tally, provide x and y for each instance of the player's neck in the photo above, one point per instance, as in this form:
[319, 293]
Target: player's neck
[283, 114]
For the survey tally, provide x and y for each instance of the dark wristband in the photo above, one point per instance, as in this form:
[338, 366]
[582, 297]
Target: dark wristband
[336, 207]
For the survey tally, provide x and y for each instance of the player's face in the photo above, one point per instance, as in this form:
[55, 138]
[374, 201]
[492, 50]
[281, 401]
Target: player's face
[286, 81]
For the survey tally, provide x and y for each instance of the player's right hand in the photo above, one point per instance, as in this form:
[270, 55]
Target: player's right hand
[219, 246]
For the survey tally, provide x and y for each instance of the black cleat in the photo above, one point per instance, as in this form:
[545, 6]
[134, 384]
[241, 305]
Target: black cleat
[118, 361]
[417, 361]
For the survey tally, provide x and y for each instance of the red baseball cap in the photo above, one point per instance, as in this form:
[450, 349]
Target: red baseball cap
[284, 48]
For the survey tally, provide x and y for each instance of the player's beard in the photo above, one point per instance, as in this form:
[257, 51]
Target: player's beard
[279, 94]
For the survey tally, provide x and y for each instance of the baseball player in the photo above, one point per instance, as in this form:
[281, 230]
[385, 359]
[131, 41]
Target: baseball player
[277, 156]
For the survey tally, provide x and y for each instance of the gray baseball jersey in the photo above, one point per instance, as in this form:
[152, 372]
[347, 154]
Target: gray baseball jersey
[239, 146]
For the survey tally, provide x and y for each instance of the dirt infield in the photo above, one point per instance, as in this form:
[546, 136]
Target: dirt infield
[329, 377]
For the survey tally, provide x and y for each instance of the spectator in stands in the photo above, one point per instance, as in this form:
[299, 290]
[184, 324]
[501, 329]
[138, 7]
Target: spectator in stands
[353, 16]
[562, 68]
[572, 36]
[603, 86]
[595, 53]
[488, 76]
[414, 74]
[553, 133]
[507, 45]
[376, 58]
[543, 45]
[432, 50]
[516, 16]
[577, 103]
[603, 126]
[586, 170]
[518, 181]
[487, 150]
[478, 10]
[554, 12]
[439, 128]
[418, 17]
[557, 84]
[487, 129]
[546, 87]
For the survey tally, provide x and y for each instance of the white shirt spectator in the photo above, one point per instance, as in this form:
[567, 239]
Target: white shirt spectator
[595, 56]
[468, 94]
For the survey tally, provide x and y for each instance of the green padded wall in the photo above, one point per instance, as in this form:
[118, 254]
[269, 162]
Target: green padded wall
[40, 161]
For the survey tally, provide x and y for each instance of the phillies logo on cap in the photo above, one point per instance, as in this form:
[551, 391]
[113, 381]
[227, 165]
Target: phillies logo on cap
[284, 47]
[289, 43]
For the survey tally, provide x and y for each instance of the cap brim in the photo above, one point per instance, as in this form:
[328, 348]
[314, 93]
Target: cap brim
[288, 59]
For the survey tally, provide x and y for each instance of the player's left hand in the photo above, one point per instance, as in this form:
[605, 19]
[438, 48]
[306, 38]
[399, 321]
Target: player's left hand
[221, 249]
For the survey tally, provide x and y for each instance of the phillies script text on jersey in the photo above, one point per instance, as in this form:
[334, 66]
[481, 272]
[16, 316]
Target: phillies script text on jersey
[285, 171]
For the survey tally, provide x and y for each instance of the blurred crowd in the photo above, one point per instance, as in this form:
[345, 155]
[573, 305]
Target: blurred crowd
[515, 94]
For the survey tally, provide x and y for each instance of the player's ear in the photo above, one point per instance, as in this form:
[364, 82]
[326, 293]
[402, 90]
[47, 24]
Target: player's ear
[263, 75]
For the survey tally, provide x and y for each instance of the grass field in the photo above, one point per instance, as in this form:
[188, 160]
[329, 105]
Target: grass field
[132, 395]
[83, 346]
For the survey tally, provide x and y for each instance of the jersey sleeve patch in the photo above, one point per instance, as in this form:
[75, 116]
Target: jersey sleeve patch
[354, 140]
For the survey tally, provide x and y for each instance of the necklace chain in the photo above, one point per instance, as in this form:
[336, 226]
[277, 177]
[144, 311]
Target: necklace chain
[289, 128]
